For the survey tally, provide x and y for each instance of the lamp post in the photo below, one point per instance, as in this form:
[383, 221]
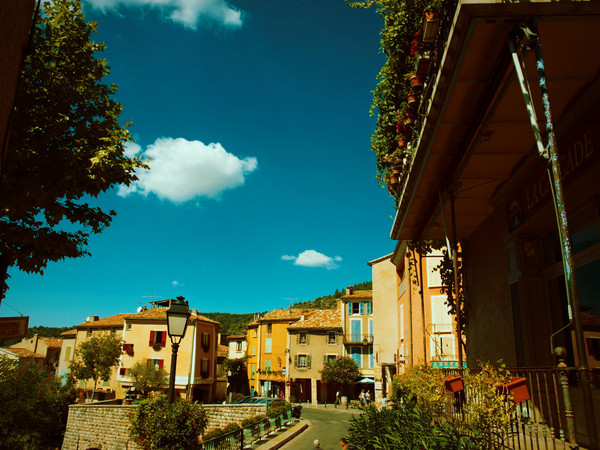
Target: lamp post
[177, 320]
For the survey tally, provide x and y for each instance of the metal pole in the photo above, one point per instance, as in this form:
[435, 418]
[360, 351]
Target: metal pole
[174, 348]
[564, 385]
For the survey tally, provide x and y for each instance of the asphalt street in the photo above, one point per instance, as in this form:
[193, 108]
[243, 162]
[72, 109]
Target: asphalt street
[327, 425]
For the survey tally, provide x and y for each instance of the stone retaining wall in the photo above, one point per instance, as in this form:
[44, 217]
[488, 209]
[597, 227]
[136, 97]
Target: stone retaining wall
[106, 427]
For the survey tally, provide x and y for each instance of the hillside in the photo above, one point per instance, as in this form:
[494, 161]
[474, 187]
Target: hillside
[330, 301]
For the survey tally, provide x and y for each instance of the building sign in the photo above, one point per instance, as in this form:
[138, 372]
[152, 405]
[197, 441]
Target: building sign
[576, 151]
[13, 327]
[447, 364]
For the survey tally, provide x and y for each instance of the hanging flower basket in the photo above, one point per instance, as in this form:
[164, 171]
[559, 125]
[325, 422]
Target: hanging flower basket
[454, 383]
[412, 98]
[402, 142]
[431, 23]
[422, 64]
[409, 118]
[416, 82]
[517, 387]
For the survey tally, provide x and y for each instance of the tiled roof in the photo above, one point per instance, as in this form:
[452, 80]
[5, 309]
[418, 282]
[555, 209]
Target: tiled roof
[222, 351]
[358, 294]
[283, 314]
[52, 342]
[112, 321]
[69, 334]
[319, 319]
[23, 353]
[236, 337]
[383, 258]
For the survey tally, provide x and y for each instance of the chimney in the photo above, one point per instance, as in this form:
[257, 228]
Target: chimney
[349, 290]
[195, 312]
[256, 316]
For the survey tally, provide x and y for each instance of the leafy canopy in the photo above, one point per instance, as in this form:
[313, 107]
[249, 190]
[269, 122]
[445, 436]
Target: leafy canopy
[66, 144]
[147, 377]
[342, 371]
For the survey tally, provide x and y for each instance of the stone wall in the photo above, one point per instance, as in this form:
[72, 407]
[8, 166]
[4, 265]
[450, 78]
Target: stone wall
[106, 427]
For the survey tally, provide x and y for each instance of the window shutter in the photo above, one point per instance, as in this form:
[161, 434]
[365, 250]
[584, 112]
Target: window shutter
[361, 308]
[161, 363]
[324, 360]
[151, 338]
[163, 340]
[368, 307]
[307, 338]
[148, 362]
[349, 308]
[295, 361]
[122, 371]
[308, 361]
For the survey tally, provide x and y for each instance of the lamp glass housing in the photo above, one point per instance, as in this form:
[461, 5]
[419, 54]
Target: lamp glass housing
[177, 319]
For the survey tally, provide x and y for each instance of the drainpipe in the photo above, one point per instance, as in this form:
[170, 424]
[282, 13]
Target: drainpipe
[456, 286]
[550, 153]
[410, 312]
[422, 306]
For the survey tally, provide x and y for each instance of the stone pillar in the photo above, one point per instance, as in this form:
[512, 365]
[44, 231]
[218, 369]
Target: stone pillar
[313, 391]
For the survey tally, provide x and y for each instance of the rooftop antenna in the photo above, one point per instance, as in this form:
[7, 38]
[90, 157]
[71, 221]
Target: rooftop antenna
[291, 300]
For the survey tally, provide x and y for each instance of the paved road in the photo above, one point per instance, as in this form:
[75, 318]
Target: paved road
[327, 425]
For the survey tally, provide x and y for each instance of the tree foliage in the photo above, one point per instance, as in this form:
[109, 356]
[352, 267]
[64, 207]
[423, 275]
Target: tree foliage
[94, 358]
[330, 301]
[34, 406]
[147, 377]
[237, 366]
[231, 324]
[158, 424]
[66, 145]
[342, 371]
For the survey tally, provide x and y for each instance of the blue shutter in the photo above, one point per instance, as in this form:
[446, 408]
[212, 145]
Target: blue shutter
[349, 308]
[361, 308]
[368, 307]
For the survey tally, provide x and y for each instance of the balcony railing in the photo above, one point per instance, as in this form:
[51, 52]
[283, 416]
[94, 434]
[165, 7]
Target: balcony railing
[364, 339]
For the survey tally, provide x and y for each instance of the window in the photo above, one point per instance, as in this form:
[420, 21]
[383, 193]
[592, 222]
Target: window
[269, 328]
[355, 308]
[267, 365]
[128, 327]
[204, 368]
[255, 332]
[331, 337]
[434, 278]
[158, 338]
[401, 321]
[157, 363]
[68, 354]
[440, 316]
[89, 333]
[252, 371]
[238, 346]
[329, 358]
[371, 359]
[268, 345]
[122, 371]
[128, 348]
[115, 330]
[355, 330]
[253, 350]
[302, 338]
[205, 341]
[356, 354]
[302, 361]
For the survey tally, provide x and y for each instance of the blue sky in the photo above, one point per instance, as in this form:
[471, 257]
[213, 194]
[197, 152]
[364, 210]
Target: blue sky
[262, 188]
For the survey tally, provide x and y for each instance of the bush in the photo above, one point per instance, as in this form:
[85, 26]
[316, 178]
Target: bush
[276, 410]
[158, 424]
[425, 384]
[231, 428]
[214, 433]
[253, 420]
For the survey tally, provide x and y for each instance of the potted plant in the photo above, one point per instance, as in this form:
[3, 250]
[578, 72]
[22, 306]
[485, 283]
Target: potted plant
[517, 388]
[431, 23]
[412, 98]
[422, 63]
[416, 82]
[454, 383]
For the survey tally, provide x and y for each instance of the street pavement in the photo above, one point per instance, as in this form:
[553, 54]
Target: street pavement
[326, 424]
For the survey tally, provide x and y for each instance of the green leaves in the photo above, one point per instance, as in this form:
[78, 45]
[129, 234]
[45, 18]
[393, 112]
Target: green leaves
[66, 144]
[341, 371]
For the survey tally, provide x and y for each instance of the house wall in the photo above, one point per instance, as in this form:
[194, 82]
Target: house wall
[107, 426]
[364, 319]
[234, 352]
[66, 356]
[253, 357]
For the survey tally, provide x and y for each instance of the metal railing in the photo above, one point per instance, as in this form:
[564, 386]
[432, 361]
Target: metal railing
[555, 415]
[358, 339]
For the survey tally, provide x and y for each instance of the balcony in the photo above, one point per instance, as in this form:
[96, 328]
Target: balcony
[363, 339]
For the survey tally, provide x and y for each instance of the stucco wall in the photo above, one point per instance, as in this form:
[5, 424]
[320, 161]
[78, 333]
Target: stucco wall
[106, 427]
[490, 333]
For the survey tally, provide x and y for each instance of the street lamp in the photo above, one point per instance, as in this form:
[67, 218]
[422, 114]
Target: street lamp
[177, 320]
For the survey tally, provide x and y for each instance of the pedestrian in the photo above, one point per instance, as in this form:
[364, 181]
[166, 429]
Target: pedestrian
[383, 402]
[337, 398]
[368, 397]
[316, 444]
[344, 444]
[362, 397]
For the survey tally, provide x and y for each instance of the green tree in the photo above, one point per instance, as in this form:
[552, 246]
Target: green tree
[94, 358]
[342, 371]
[158, 424]
[66, 145]
[237, 366]
[147, 377]
[34, 406]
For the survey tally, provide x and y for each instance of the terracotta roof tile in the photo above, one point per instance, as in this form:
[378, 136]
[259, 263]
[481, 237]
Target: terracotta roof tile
[69, 334]
[112, 321]
[149, 314]
[358, 294]
[383, 258]
[23, 352]
[52, 342]
[319, 319]
[283, 314]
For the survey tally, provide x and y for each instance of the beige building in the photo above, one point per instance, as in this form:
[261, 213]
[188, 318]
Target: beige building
[386, 324]
[145, 338]
[67, 351]
[237, 346]
[47, 347]
[358, 326]
[312, 341]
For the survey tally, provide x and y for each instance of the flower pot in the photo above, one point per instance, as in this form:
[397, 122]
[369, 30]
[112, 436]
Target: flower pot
[517, 387]
[422, 64]
[416, 82]
[454, 383]
[412, 98]
[409, 118]
[394, 180]
[401, 142]
[431, 23]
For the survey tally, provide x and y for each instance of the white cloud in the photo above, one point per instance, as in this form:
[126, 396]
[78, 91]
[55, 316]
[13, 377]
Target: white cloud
[176, 283]
[312, 258]
[183, 170]
[189, 13]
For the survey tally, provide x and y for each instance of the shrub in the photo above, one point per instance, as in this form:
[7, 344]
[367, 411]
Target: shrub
[158, 424]
[425, 384]
[231, 428]
[214, 433]
[275, 411]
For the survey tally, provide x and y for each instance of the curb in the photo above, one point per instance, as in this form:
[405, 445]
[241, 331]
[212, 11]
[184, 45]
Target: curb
[285, 437]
